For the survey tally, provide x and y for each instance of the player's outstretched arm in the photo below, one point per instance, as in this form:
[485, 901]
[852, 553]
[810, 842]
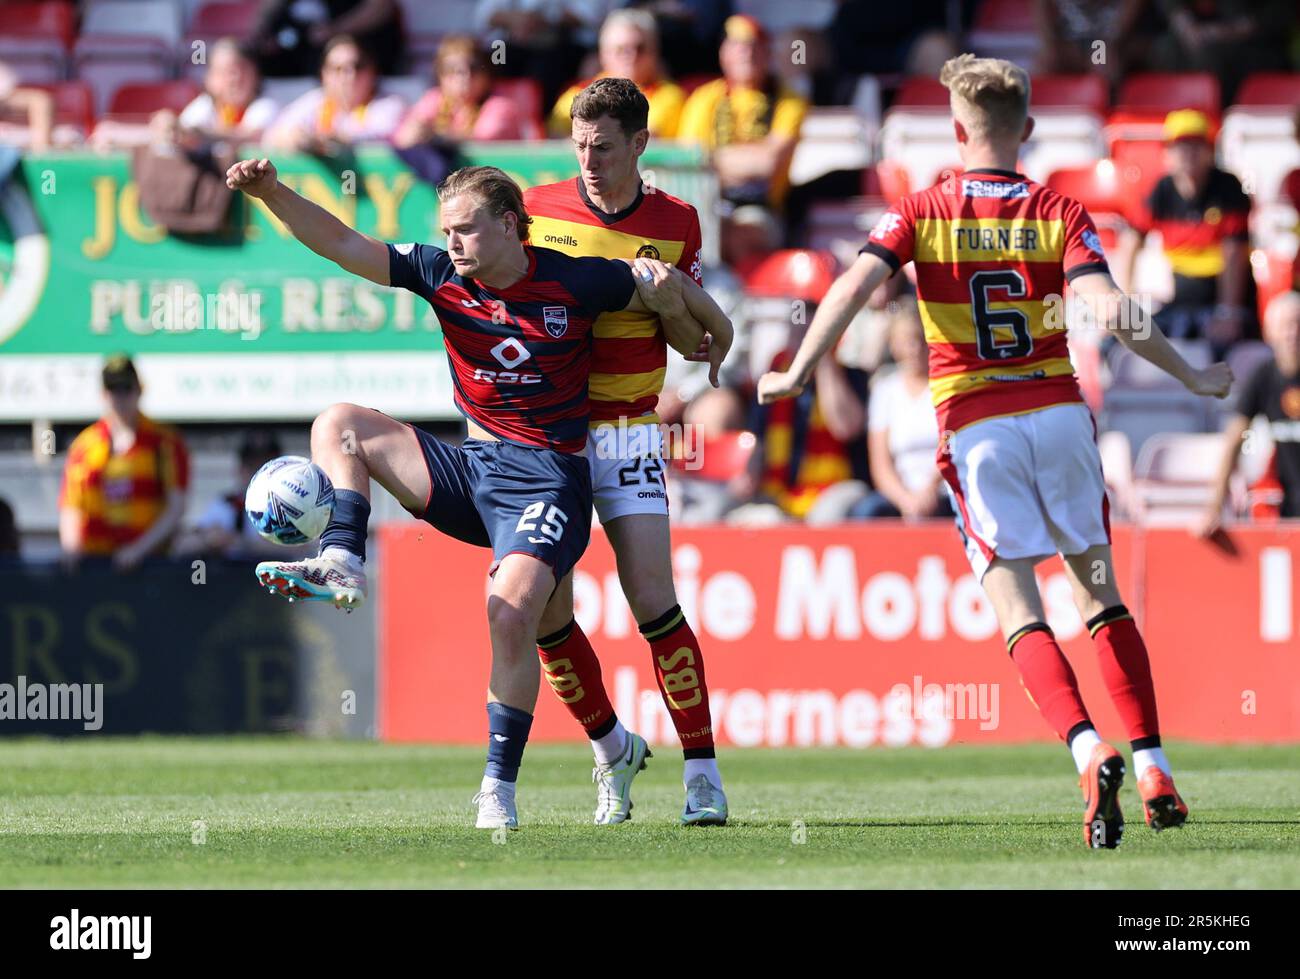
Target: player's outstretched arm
[314, 226]
[843, 299]
[1134, 327]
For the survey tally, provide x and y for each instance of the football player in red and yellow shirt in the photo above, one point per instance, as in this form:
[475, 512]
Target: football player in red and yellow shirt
[125, 481]
[606, 212]
[993, 252]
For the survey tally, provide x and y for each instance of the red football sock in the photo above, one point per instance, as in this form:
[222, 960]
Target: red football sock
[1126, 671]
[573, 672]
[1046, 676]
[679, 668]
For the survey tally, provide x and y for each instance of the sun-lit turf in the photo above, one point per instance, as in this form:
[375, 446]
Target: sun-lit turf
[282, 812]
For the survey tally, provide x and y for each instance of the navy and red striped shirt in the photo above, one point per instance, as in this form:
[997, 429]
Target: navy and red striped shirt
[520, 357]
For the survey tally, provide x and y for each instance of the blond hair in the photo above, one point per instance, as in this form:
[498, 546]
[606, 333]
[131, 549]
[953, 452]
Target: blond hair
[493, 189]
[990, 97]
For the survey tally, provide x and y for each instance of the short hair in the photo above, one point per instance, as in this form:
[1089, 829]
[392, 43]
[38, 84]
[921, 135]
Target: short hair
[462, 45]
[642, 20]
[493, 189]
[989, 96]
[364, 57]
[615, 97]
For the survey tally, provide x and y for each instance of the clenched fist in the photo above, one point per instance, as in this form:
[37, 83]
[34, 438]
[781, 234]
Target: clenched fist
[256, 178]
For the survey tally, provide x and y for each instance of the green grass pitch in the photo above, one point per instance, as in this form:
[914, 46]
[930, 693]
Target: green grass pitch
[286, 812]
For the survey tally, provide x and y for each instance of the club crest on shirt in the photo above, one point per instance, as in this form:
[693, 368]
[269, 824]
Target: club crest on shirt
[556, 320]
[648, 251]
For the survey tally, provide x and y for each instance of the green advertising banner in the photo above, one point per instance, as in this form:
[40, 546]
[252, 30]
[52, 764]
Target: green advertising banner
[244, 325]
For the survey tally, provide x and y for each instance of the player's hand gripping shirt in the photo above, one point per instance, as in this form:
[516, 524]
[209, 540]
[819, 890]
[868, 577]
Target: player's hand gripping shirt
[520, 356]
[991, 248]
[631, 354]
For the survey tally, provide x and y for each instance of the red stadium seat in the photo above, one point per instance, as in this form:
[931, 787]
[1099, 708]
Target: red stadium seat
[225, 18]
[1273, 276]
[1161, 92]
[1096, 187]
[1005, 16]
[720, 458]
[1139, 165]
[1270, 88]
[893, 179]
[1071, 92]
[146, 98]
[74, 104]
[52, 20]
[921, 92]
[792, 273]
[527, 94]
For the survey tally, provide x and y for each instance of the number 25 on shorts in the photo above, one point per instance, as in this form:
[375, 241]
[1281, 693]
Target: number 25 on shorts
[552, 527]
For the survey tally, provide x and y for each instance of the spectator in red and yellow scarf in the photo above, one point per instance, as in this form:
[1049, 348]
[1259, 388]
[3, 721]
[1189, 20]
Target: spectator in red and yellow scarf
[462, 106]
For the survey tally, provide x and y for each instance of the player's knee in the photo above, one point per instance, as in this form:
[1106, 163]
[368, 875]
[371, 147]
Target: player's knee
[336, 429]
[509, 621]
[650, 597]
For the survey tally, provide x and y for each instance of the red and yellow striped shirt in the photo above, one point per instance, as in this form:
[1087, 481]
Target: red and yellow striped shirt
[121, 495]
[629, 353]
[993, 251]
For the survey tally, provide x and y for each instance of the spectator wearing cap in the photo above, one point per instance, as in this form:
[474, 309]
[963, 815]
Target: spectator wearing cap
[462, 105]
[348, 107]
[1202, 215]
[748, 121]
[222, 528]
[1273, 393]
[629, 48]
[125, 480]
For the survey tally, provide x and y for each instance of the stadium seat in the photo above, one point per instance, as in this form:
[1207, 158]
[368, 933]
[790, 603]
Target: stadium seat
[210, 23]
[921, 92]
[792, 273]
[1004, 29]
[1258, 144]
[1096, 187]
[1173, 476]
[893, 180]
[1142, 415]
[35, 39]
[133, 101]
[720, 458]
[74, 105]
[831, 139]
[1270, 88]
[125, 41]
[426, 24]
[1273, 276]
[1062, 138]
[1164, 92]
[1075, 92]
[527, 94]
[1139, 165]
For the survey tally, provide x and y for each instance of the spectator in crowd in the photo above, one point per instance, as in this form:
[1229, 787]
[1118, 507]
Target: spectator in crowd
[1202, 215]
[462, 106]
[812, 457]
[8, 531]
[26, 117]
[125, 480]
[1272, 391]
[230, 106]
[290, 37]
[902, 436]
[223, 528]
[1228, 38]
[348, 107]
[545, 39]
[689, 31]
[869, 37]
[629, 48]
[1069, 32]
[746, 120]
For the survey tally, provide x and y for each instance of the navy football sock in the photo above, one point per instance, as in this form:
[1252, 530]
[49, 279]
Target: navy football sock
[508, 729]
[347, 527]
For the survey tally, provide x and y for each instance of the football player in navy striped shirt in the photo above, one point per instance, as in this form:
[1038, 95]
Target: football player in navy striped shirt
[517, 327]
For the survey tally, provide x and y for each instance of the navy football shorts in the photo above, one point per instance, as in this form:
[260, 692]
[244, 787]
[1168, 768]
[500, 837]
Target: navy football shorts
[512, 498]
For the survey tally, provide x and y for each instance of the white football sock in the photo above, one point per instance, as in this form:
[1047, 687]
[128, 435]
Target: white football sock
[1081, 747]
[500, 786]
[708, 767]
[612, 746]
[1144, 758]
[354, 562]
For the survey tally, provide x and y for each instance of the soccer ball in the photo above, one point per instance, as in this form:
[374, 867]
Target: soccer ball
[290, 500]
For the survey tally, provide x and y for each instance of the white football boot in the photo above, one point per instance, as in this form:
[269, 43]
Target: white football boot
[336, 576]
[706, 804]
[496, 807]
[614, 782]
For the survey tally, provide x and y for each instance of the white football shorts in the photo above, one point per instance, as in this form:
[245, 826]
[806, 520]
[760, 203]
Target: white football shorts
[1028, 486]
[627, 470]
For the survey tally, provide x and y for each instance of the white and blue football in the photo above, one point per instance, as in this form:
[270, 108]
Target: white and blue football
[290, 500]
